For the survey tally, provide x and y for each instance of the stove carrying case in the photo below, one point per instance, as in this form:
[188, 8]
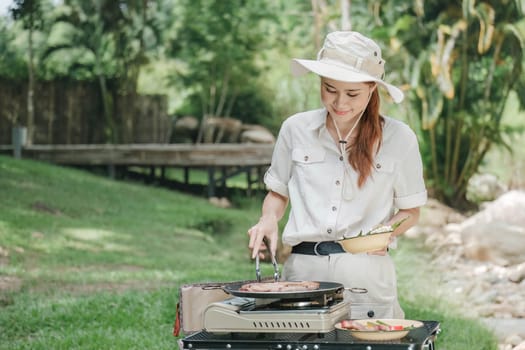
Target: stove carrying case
[194, 298]
[193, 301]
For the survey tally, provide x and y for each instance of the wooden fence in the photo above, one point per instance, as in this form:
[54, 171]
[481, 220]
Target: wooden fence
[69, 112]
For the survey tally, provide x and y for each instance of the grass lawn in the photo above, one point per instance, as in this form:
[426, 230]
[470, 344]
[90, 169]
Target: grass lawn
[91, 263]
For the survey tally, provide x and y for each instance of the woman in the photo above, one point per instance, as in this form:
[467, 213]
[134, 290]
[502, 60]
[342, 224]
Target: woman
[344, 169]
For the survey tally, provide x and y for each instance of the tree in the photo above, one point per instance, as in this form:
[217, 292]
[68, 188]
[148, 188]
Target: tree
[29, 12]
[220, 49]
[102, 40]
[12, 63]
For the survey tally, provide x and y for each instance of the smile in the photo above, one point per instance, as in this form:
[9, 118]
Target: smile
[341, 112]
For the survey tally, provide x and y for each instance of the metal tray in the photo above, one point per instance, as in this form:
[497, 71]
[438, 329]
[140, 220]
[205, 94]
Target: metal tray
[420, 338]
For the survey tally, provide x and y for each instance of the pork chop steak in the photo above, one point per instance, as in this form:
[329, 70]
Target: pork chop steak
[285, 286]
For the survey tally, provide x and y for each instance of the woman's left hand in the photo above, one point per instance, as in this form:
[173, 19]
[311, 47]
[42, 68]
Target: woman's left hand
[383, 252]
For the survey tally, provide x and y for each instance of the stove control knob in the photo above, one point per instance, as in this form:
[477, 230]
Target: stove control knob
[288, 347]
[316, 347]
[228, 346]
[305, 347]
[279, 346]
[371, 313]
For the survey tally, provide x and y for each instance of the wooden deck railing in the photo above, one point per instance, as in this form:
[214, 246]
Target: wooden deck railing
[215, 158]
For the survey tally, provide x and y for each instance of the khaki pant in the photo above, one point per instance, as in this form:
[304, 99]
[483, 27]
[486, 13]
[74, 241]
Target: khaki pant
[375, 273]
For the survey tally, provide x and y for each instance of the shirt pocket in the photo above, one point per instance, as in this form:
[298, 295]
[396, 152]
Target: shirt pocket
[383, 175]
[309, 170]
[305, 156]
[384, 164]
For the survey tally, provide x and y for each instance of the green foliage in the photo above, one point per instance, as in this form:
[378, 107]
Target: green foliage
[220, 50]
[28, 11]
[98, 38]
[462, 61]
[12, 64]
[253, 105]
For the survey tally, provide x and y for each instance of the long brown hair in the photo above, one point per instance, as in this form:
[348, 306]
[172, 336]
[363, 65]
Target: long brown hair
[368, 140]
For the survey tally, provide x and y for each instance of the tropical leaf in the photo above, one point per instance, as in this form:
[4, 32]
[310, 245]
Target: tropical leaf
[486, 15]
[467, 7]
[517, 30]
[431, 106]
[520, 5]
[442, 59]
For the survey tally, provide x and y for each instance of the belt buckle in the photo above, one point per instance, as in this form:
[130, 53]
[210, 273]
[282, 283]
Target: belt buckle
[315, 249]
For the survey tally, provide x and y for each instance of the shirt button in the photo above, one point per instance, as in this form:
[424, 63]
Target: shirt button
[305, 158]
[337, 182]
[341, 158]
[329, 230]
[334, 208]
[378, 166]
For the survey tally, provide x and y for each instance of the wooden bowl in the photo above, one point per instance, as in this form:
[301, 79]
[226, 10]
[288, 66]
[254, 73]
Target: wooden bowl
[367, 243]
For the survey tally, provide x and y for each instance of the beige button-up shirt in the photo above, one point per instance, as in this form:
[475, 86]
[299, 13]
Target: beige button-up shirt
[326, 204]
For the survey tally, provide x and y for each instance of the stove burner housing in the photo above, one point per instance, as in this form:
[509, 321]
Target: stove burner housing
[246, 315]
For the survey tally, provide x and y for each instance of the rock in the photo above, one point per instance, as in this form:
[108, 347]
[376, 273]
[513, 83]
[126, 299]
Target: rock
[10, 283]
[37, 235]
[504, 328]
[258, 135]
[514, 340]
[221, 129]
[508, 208]
[521, 346]
[220, 202]
[498, 242]
[497, 233]
[185, 129]
[4, 252]
[187, 122]
[225, 203]
[517, 273]
[484, 187]
[436, 214]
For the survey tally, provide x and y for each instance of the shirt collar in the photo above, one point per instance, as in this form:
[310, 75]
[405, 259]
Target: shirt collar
[318, 123]
[318, 120]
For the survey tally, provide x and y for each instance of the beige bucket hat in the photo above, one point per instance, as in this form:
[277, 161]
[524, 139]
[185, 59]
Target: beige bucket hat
[350, 57]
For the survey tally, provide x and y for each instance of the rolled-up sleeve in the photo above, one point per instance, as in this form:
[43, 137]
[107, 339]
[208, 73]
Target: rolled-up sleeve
[277, 176]
[409, 186]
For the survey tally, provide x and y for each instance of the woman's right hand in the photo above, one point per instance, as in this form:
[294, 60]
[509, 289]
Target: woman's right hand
[274, 206]
[266, 227]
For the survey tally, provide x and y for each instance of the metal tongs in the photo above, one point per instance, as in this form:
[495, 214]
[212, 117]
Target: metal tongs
[276, 274]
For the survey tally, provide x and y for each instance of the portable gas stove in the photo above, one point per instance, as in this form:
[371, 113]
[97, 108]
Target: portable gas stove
[281, 311]
[291, 321]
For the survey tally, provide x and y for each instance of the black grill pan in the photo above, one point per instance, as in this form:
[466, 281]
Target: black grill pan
[324, 288]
